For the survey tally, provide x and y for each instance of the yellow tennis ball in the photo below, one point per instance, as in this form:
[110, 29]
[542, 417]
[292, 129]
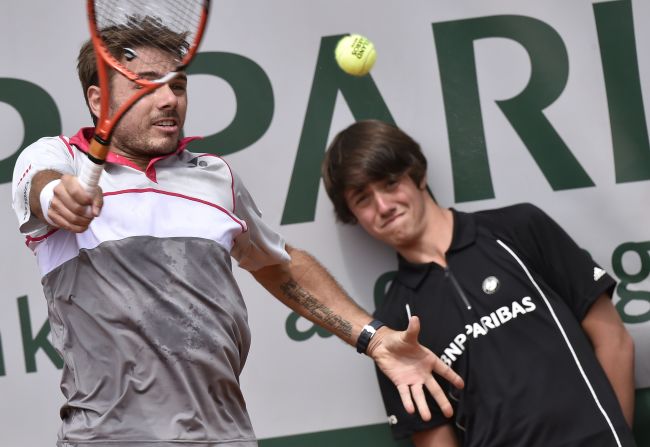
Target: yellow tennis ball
[355, 54]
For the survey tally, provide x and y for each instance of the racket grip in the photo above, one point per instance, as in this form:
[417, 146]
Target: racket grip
[90, 173]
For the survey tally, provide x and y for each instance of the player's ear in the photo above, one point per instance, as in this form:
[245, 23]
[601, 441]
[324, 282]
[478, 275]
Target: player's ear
[94, 96]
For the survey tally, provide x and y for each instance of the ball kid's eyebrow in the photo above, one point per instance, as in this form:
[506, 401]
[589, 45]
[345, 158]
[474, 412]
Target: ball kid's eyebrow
[353, 193]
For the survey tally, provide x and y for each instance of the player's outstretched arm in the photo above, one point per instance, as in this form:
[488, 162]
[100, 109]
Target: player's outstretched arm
[306, 287]
[69, 205]
[408, 365]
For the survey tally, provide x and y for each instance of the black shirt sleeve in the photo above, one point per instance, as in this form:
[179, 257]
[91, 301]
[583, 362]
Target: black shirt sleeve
[557, 259]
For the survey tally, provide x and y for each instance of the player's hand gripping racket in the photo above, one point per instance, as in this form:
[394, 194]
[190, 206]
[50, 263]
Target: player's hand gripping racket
[119, 29]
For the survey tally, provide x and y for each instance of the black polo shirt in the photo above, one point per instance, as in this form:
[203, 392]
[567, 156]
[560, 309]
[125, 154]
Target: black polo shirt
[505, 314]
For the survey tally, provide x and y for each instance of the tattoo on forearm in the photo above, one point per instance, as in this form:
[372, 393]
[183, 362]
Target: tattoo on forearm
[320, 312]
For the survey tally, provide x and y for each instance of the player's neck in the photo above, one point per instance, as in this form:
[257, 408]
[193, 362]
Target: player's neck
[140, 160]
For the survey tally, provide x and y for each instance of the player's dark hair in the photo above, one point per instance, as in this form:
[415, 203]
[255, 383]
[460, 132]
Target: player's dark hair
[135, 33]
[366, 152]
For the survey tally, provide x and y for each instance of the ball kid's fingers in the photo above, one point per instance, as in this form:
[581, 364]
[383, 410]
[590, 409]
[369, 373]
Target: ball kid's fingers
[439, 367]
[405, 394]
[412, 330]
[421, 402]
[451, 376]
[439, 396]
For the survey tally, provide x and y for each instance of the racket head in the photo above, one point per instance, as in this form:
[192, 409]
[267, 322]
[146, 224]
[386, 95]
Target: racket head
[121, 28]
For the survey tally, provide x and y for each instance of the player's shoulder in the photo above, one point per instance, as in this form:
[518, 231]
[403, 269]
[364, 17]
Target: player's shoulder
[213, 167]
[51, 142]
[58, 147]
[203, 160]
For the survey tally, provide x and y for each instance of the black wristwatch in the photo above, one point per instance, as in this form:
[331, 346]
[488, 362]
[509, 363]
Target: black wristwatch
[366, 335]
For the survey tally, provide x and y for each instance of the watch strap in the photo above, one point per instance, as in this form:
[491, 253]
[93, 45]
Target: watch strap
[366, 335]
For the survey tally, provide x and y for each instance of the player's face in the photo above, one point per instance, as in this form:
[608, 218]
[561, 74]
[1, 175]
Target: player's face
[152, 127]
[392, 211]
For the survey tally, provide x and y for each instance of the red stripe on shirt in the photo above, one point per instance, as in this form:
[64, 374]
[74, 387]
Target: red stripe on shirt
[174, 194]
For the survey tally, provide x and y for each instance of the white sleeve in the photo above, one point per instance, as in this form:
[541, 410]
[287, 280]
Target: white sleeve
[259, 246]
[49, 153]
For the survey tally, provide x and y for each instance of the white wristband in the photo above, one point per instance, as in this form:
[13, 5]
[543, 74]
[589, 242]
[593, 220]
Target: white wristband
[47, 194]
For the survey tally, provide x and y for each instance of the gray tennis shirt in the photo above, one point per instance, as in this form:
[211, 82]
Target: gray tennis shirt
[143, 306]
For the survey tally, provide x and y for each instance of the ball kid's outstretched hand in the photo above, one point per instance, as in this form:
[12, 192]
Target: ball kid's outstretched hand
[409, 365]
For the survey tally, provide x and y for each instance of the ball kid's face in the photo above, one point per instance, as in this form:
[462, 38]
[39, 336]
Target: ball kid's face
[390, 210]
[152, 127]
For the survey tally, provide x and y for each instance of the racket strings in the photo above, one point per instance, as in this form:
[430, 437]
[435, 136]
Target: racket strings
[126, 26]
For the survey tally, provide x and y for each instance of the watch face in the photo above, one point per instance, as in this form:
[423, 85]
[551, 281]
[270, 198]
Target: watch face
[370, 329]
[366, 334]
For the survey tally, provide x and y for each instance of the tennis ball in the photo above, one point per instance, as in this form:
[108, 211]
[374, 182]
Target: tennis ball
[355, 54]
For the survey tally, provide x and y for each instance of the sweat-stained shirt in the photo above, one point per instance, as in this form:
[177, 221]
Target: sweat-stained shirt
[143, 306]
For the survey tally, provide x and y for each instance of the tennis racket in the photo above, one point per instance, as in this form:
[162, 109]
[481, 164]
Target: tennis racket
[118, 28]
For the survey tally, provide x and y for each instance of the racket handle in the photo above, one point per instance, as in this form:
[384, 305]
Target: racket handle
[90, 173]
